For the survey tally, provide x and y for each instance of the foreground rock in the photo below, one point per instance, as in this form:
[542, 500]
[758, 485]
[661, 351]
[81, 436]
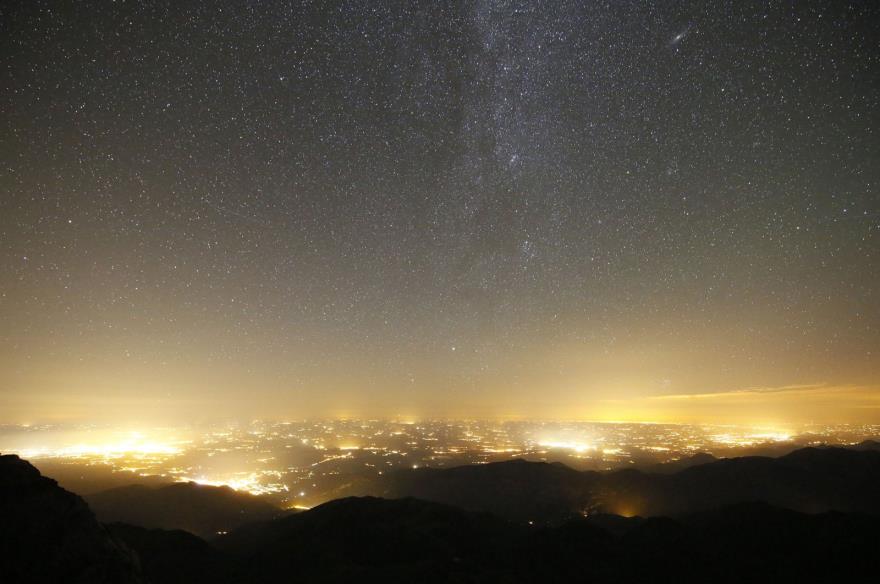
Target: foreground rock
[49, 535]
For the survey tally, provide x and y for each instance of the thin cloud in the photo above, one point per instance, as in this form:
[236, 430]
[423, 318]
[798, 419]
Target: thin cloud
[752, 391]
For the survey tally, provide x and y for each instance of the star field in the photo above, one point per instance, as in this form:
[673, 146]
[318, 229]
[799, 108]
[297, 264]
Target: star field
[488, 208]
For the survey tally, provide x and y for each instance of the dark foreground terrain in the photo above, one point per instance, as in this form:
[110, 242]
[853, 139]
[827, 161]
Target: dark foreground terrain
[203, 510]
[811, 516]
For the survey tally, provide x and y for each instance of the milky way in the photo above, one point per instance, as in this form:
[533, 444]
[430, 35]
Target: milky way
[481, 208]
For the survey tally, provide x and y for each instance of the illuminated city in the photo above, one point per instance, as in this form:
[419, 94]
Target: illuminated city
[302, 464]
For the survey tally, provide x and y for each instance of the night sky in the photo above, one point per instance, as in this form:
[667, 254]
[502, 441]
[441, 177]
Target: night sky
[543, 209]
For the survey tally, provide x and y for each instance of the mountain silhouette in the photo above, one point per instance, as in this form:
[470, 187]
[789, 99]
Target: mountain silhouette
[810, 480]
[867, 445]
[346, 540]
[203, 510]
[408, 540]
[517, 490]
[49, 535]
[754, 542]
[736, 520]
[174, 556]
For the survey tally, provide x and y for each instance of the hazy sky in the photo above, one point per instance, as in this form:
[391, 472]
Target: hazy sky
[575, 209]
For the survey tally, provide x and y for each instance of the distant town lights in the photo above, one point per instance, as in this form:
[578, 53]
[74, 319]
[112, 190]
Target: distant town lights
[576, 446]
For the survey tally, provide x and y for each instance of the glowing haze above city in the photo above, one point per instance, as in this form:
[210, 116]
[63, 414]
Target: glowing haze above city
[241, 243]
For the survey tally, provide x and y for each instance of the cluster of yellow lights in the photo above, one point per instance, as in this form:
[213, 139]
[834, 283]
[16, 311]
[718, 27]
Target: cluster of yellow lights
[751, 438]
[132, 447]
[250, 483]
[576, 446]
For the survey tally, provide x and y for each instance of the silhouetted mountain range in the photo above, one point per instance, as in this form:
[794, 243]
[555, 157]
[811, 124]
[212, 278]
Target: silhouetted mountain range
[725, 528]
[349, 540]
[407, 540]
[867, 445]
[174, 556]
[200, 509]
[517, 490]
[810, 480]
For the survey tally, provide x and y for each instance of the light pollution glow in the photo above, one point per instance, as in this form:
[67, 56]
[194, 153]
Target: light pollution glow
[249, 483]
[300, 464]
[134, 446]
[771, 406]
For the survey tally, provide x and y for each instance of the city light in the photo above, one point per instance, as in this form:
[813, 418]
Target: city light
[576, 446]
[302, 464]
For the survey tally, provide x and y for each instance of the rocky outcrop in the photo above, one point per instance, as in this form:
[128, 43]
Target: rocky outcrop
[48, 534]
